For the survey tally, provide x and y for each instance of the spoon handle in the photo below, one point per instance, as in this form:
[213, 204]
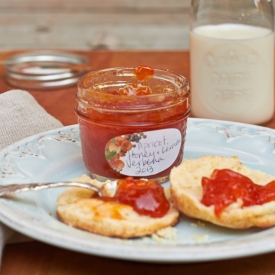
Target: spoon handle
[16, 188]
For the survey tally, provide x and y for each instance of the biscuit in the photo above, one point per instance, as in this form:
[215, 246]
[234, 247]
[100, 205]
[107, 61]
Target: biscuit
[186, 190]
[77, 208]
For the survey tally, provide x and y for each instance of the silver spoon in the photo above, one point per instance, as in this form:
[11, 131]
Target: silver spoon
[106, 189]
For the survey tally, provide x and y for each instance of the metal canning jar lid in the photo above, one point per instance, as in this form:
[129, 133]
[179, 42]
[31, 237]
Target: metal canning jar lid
[44, 69]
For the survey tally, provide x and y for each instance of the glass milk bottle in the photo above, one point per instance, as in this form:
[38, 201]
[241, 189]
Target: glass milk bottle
[232, 60]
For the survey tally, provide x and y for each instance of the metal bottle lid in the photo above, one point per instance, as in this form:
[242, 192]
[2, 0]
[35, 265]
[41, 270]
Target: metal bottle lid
[44, 69]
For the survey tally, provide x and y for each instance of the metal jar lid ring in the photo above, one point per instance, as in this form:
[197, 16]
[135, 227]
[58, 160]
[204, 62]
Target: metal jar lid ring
[44, 69]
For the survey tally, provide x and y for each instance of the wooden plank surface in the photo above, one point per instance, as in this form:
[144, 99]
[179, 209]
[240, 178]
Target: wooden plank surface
[155, 4]
[93, 24]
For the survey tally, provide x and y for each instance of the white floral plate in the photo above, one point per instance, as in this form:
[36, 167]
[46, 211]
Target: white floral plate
[56, 155]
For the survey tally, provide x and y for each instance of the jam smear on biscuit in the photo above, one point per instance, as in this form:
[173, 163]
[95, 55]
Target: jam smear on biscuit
[225, 187]
[145, 196]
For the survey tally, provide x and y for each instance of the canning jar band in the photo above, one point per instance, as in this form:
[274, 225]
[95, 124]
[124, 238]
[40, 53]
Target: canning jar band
[133, 123]
[142, 108]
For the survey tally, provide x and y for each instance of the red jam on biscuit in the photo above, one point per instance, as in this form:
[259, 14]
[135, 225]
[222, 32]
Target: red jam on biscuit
[146, 197]
[225, 187]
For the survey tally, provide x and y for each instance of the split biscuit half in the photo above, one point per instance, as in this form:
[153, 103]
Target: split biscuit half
[77, 208]
[187, 192]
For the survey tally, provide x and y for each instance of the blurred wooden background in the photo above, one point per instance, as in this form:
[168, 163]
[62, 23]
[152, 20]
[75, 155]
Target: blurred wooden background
[94, 24]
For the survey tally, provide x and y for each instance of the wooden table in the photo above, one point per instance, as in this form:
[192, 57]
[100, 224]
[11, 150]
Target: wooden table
[40, 259]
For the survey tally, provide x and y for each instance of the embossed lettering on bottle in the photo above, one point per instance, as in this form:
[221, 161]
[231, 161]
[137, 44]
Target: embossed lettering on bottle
[233, 75]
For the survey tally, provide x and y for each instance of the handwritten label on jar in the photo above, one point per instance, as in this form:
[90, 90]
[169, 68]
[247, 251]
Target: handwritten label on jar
[143, 154]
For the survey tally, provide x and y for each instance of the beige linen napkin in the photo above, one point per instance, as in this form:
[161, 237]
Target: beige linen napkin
[20, 117]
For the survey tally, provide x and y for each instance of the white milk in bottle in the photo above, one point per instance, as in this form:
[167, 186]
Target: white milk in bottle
[232, 72]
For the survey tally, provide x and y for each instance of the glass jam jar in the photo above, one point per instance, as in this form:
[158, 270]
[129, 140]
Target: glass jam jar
[132, 122]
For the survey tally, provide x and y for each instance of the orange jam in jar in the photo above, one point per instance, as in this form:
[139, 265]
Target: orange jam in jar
[132, 122]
